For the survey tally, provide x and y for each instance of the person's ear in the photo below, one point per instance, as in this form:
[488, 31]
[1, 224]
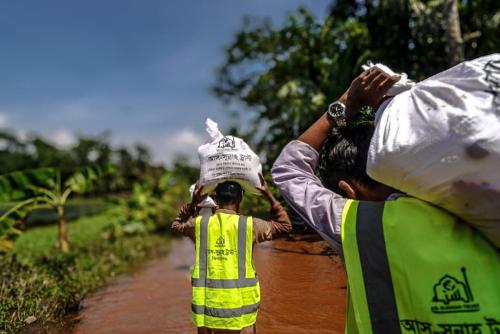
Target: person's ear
[348, 189]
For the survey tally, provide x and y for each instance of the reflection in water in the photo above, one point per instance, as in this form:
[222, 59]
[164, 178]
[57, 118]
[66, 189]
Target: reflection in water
[303, 291]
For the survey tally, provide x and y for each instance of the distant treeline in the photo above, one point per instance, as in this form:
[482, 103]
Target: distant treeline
[132, 164]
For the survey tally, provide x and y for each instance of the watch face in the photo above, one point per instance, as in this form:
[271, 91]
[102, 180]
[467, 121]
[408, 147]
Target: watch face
[336, 111]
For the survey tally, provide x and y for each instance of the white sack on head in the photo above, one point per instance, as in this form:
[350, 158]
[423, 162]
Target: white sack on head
[440, 142]
[403, 83]
[227, 158]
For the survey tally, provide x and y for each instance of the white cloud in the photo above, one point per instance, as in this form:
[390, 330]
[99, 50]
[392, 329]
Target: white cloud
[184, 142]
[185, 137]
[23, 134]
[63, 138]
[3, 120]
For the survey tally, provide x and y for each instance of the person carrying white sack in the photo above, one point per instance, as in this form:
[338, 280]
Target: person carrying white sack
[439, 140]
[225, 286]
[411, 266]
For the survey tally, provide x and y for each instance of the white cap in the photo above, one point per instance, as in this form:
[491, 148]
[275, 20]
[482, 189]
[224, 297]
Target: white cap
[208, 202]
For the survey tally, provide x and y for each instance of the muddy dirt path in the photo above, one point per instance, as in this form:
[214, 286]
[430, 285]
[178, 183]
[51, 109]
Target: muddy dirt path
[303, 292]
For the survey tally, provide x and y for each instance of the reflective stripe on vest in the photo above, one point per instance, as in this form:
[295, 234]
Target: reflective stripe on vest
[413, 268]
[225, 312]
[214, 299]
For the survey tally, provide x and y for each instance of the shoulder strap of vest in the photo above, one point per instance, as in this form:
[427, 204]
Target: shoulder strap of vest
[203, 245]
[375, 267]
[242, 246]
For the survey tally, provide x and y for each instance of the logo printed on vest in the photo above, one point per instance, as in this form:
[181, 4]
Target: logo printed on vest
[221, 242]
[453, 295]
[220, 252]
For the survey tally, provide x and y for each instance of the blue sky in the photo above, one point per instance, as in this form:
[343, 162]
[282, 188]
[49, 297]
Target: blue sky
[139, 69]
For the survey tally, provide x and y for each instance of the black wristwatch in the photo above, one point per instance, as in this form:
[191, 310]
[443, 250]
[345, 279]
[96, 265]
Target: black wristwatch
[336, 112]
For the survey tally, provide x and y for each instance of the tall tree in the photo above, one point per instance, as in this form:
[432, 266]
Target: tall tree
[287, 75]
[423, 37]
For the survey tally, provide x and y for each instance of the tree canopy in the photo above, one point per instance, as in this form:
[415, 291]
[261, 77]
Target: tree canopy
[288, 74]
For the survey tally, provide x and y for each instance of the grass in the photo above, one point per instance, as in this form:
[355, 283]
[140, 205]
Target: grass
[36, 280]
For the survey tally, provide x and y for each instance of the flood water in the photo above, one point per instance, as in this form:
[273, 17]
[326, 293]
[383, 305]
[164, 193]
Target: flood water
[303, 291]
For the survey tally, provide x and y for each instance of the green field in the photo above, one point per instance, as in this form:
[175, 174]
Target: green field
[38, 280]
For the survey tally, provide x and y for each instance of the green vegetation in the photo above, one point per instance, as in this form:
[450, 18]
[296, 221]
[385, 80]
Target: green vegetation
[288, 74]
[153, 208]
[132, 164]
[43, 188]
[13, 217]
[11, 229]
[38, 280]
[75, 208]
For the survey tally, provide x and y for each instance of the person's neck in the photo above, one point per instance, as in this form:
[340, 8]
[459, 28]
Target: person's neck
[232, 207]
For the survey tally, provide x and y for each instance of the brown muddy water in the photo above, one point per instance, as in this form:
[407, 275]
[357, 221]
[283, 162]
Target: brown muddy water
[303, 292]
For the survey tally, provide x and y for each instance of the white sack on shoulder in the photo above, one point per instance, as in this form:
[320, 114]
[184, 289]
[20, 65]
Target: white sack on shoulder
[440, 142]
[227, 158]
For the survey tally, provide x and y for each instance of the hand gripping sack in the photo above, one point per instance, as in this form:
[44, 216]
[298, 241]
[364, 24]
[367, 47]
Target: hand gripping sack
[440, 142]
[227, 158]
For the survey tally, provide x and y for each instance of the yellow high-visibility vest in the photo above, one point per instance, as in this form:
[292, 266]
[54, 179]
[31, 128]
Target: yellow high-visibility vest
[226, 292]
[413, 268]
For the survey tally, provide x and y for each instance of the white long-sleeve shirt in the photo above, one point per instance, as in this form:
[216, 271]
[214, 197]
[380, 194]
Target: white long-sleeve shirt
[321, 208]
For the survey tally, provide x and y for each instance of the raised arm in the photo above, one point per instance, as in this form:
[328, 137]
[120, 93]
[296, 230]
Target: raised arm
[368, 89]
[279, 224]
[293, 171]
[184, 222]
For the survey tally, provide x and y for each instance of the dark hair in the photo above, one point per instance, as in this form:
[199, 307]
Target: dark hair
[344, 156]
[228, 192]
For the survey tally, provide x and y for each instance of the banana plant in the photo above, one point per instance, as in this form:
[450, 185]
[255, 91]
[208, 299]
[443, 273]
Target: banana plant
[53, 193]
[15, 187]
[11, 223]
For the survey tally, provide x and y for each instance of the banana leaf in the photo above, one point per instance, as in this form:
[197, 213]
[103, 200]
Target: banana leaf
[19, 185]
[85, 179]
